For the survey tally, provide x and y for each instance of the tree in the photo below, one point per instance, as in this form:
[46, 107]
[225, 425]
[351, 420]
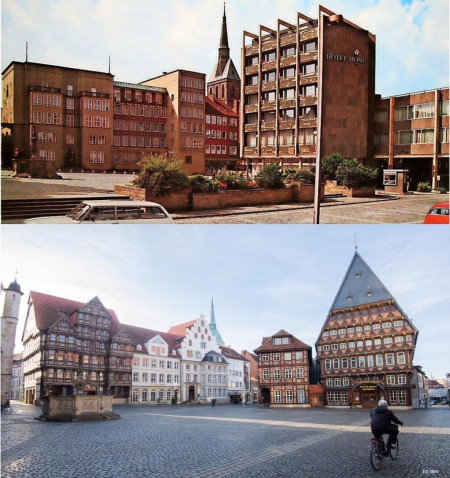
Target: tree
[354, 175]
[330, 165]
[270, 177]
[161, 175]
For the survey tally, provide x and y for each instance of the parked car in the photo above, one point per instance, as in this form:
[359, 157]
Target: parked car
[438, 214]
[110, 212]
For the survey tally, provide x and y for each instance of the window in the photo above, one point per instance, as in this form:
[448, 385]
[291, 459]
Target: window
[393, 395]
[390, 379]
[361, 361]
[276, 357]
[353, 362]
[135, 377]
[387, 340]
[265, 374]
[289, 396]
[265, 357]
[336, 363]
[299, 356]
[401, 379]
[337, 382]
[401, 358]
[300, 373]
[288, 373]
[276, 374]
[345, 381]
[329, 382]
[277, 396]
[300, 396]
[287, 356]
[344, 362]
[370, 360]
[399, 339]
[444, 107]
[309, 69]
[327, 364]
[404, 137]
[424, 136]
[389, 359]
[334, 346]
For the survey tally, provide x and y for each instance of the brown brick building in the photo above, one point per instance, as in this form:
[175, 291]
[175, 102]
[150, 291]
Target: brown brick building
[58, 114]
[57, 332]
[367, 343]
[283, 370]
[185, 116]
[140, 124]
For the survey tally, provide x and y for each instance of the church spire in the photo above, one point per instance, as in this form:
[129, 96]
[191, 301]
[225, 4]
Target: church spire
[224, 49]
[213, 326]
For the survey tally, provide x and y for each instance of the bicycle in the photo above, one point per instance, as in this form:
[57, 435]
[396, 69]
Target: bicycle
[6, 408]
[378, 452]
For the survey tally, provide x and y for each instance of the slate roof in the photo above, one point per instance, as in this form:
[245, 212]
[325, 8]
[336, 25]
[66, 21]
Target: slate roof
[229, 72]
[231, 353]
[209, 357]
[268, 345]
[47, 310]
[360, 286]
[140, 335]
[123, 84]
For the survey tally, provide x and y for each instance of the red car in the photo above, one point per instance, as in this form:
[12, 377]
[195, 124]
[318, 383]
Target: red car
[438, 214]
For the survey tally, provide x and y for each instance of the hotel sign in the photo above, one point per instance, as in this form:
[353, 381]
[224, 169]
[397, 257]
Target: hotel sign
[354, 58]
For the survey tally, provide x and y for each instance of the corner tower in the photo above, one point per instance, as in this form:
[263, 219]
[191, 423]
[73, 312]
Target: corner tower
[10, 317]
[224, 82]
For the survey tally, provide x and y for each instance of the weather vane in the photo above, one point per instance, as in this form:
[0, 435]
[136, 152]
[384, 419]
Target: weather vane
[356, 242]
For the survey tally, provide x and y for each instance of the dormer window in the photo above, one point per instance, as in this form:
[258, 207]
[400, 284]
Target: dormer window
[358, 275]
[369, 292]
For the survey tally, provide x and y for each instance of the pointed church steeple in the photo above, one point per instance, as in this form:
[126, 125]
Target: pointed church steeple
[213, 326]
[224, 49]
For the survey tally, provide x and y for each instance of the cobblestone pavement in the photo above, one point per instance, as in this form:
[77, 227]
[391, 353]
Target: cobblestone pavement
[226, 441]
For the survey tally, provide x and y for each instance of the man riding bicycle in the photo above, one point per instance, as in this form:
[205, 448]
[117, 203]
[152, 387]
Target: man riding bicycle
[381, 423]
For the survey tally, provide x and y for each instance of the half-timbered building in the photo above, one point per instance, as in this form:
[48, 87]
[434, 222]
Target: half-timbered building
[366, 345]
[63, 338]
[283, 370]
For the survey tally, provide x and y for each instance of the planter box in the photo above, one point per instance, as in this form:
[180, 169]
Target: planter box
[331, 187]
[172, 202]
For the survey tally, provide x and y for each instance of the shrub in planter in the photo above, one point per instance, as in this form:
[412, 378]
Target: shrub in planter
[330, 165]
[443, 190]
[202, 184]
[424, 187]
[232, 180]
[161, 175]
[303, 176]
[351, 174]
[270, 177]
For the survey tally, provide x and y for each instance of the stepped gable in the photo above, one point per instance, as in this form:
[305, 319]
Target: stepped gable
[180, 329]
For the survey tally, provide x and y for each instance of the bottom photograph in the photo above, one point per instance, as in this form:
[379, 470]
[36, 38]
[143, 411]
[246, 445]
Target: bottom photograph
[225, 351]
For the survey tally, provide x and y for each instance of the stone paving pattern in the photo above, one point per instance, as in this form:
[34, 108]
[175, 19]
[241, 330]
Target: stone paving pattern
[226, 441]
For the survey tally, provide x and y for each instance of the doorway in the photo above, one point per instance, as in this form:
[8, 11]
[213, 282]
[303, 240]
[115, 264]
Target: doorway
[191, 393]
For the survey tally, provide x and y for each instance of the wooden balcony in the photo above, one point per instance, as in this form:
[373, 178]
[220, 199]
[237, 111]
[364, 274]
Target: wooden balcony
[268, 150]
[267, 125]
[251, 128]
[307, 149]
[287, 61]
[250, 90]
[251, 70]
[251, 151]
[288, 39]
[287, 82]
[269, 45]
[287, 124]
[252, 50]
[308, 100]
[286, 150]
[269, 86]
[309, 34]
[269, 65]
[309, 57]
[290, 103]
[308, 123]
[251, 109]
[268, 105]
[309, 79]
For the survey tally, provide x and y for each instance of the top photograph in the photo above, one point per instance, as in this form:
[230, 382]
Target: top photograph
[212, 112]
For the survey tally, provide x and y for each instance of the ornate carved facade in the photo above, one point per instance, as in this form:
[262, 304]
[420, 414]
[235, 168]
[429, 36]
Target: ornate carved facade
[67, 343]
[366, 346]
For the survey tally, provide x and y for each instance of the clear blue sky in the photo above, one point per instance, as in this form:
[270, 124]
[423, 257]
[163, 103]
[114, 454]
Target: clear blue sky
[147, 37]
[263, 278]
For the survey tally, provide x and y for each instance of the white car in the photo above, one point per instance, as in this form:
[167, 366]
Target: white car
[110, 212]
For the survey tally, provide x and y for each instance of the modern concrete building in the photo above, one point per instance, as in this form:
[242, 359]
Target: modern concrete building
[366, 345]
[283, 370]
[185, 116]
[10, 316]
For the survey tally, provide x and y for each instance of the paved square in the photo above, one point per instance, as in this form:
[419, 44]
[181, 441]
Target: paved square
[226, 441]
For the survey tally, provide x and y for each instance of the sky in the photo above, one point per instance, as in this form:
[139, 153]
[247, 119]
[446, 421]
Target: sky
[262, 278]
[147, 37]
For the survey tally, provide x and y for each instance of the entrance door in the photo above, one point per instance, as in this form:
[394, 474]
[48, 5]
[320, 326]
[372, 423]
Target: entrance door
[265, 397]
[369, 399]
[191, 393]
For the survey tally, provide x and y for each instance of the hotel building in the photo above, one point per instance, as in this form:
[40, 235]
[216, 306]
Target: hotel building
[367, 343]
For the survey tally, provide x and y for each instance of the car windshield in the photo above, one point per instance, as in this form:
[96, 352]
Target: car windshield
[78, 212]
[439, 211]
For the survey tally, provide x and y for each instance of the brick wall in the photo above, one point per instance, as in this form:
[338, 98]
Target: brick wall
[332, 188]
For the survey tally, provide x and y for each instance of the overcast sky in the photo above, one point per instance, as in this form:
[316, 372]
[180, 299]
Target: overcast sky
[147, 37]
[263, 278]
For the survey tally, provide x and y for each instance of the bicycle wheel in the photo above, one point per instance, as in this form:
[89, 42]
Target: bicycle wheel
[394, 451]
[376, 456]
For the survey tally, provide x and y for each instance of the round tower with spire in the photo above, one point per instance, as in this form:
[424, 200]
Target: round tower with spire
[10, 316]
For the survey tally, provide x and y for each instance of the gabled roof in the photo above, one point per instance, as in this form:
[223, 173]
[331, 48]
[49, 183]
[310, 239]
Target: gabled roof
[47, 310]
[180, 329]
[231, 353]
[268, 345]
[216, 105]
[140, 335]
[229, 72]
[360, 286]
